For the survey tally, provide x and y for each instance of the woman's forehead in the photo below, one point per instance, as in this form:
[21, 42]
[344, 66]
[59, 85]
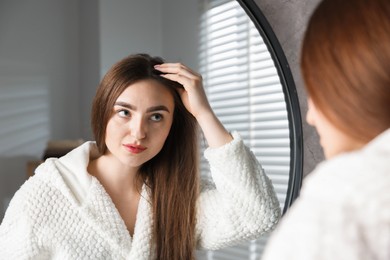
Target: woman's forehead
[147, 92]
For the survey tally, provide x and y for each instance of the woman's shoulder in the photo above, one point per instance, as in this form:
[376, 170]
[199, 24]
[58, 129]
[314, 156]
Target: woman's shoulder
[69, 174]
[31, 199]
[65, 176]
[352, 178]
[39, 180]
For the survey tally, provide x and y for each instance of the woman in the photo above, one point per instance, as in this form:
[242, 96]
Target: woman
[343, 210]
[134, 194]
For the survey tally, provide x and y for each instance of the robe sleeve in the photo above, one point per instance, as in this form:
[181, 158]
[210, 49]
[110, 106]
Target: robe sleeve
[242, 205]
[17, 239]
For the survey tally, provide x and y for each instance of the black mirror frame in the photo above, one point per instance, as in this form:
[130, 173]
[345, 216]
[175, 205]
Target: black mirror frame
[291, 97]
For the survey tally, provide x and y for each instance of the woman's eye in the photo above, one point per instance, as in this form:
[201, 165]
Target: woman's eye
[123, 113]
[156, 117]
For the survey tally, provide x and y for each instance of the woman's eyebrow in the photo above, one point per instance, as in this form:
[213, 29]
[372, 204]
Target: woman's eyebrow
[126, 105]
[150, 109]
[157, 108]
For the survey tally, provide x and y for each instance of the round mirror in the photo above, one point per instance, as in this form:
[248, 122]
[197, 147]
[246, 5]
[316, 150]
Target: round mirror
[290, 97]
[251, 89]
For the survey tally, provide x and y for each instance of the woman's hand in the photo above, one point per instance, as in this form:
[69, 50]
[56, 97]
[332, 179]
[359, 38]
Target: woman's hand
[195, 100]
[193, 94]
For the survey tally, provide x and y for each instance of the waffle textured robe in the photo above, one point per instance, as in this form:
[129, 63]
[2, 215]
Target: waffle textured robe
[62, 212]
[343, 211]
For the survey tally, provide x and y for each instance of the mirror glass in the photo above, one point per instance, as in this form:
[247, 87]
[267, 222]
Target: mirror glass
[54, 53]
[251, 89]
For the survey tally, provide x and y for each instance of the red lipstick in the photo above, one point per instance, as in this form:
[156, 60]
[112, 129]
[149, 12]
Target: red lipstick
[134, 148]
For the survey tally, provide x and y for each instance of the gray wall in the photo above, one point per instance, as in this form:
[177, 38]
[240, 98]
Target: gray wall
[129, 27]
[180, 39]
[90, 61]
[26, 49]
[148, 26]
[288, 19]
[39, 52]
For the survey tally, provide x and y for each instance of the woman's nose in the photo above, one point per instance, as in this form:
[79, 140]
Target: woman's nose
[138, 128]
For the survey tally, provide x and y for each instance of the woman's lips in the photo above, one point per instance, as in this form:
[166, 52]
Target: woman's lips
[133, 148]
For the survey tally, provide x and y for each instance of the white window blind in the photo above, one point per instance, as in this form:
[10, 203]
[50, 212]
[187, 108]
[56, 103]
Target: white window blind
[245, 92]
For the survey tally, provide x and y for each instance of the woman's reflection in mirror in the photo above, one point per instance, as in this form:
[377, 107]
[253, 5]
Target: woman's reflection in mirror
[343, 210]
[134, 192]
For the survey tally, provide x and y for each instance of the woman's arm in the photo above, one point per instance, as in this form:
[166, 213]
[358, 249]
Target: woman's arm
[243, 205]
[16, 236]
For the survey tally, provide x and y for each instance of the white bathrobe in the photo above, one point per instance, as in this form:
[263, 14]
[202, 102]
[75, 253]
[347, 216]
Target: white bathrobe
[63, 212]
[343, 212]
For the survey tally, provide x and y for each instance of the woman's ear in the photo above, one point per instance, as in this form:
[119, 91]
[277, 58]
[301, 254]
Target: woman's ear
[310, 115]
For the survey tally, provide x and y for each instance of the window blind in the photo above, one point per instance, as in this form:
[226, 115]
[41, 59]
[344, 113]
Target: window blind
[24, 116]
[244, 89]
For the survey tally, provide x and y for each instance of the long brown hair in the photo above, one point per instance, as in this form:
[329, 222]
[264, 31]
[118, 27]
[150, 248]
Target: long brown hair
[172, 175]
[345, 63]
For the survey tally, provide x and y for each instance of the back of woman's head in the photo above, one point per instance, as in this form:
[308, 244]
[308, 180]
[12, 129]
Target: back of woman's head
[345, 61]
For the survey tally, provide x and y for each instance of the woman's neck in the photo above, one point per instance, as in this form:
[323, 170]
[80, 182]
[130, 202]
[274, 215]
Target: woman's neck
[113, 175]
[120, 184]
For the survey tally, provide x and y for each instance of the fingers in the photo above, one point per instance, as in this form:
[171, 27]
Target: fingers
[177, 68]
[177, 78]
[179, 73]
